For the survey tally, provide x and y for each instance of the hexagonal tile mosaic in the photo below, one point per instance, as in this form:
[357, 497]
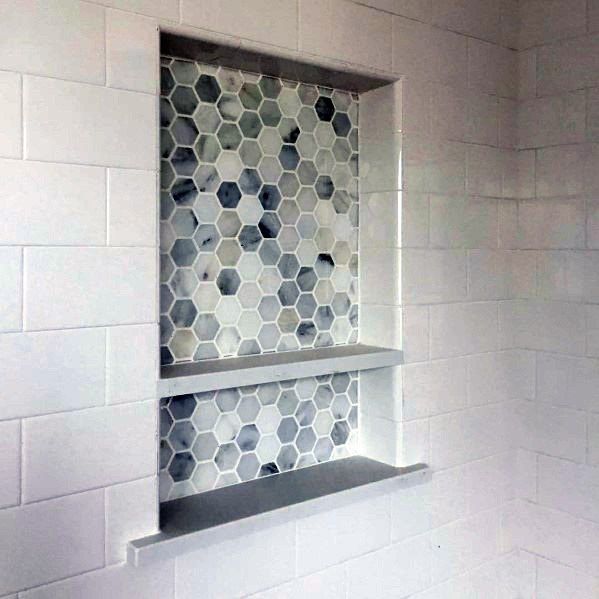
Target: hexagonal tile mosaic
[220, 438]
[259, 214]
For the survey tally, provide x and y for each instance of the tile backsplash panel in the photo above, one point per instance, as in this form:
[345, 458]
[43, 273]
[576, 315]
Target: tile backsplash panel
[259, 214]
[259, 253]
[221, 438]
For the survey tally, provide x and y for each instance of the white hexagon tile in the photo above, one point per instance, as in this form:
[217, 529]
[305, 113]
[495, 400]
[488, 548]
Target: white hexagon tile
[259, 253]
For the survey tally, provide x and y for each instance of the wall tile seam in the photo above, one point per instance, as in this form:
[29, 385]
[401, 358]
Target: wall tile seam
[537, 503]
[105, 488]
[562, 41]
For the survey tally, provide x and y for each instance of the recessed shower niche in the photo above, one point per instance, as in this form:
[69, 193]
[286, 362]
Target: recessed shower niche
[259, 266]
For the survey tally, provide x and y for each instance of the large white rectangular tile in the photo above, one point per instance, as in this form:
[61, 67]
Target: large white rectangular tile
[10, 463]
[461, 329]
[11, 125]
[381, 163]
[330, 583]
[381, 393]
[131, 51]
[569, 487]
[380, 278]
[132, 376]
[428, 53]
[555, 581]
[415, 333]
[553, 120]
[433, 165]
[554, 431]
[527, 74]
[551, 224]
[482, 119]
[344, 31]
[463, 545]
[38, 379]
[232, 569]
[475, 433]
[118, 582]
[68, 287]
[592, 221]
[57, 38]
[11, 292]
[132, 207]
[561, 275]
[327, 539]
[395, 571]
[38, 198]
[44, 542]
[492, 69]
[458, 221]
[131, 513]
[489, 274]
[432, 276]
[568, 381]
[88, 124]
[411, 512]
[381, 111]
[547, 21]
[247, 19]
[448, 107]
[68, 453]
[476, 18]
[432, 388]
[568, 66]
[501, 376]
[381, 219]
[560, 170]
[485, 167]
[550, 326]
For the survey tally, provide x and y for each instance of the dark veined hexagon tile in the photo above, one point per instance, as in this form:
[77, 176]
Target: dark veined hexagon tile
[214, 439]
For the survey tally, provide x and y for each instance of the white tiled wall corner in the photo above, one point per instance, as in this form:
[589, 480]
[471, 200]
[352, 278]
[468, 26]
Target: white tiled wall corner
[130, 514]
[10, 463]
[38, 379]
[55, 38]
[11, 86]
[62, 287]
[105, 446]
[53, 547]
[46, 195]
[88, 124]
[132, 207]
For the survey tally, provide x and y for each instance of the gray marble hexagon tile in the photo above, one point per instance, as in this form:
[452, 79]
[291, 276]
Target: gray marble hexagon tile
[211, 440]
[259, 214]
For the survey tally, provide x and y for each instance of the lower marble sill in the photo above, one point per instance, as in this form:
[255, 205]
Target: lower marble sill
[198, 521]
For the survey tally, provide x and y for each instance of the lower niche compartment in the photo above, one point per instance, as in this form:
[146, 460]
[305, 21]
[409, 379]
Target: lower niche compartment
[201, 520]
[220, 438]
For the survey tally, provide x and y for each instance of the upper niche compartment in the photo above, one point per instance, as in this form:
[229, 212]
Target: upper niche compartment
[259, 213]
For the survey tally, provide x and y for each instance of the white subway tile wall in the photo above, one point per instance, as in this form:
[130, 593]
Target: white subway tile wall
[79, 154]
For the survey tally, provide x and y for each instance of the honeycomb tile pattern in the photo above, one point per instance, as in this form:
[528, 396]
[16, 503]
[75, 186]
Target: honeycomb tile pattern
[259, 214]
[216, 439]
